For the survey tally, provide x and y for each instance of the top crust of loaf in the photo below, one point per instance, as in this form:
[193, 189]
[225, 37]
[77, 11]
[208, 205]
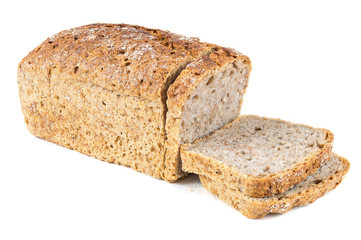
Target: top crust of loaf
[131, 60]
[256, 186]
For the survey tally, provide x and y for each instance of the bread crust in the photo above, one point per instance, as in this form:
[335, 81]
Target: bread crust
[259, 207]
[251, 185]
[127, 59]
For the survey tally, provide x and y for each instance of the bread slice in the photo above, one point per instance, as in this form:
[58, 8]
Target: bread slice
[259, 156]
[327, 177]
[207, 95]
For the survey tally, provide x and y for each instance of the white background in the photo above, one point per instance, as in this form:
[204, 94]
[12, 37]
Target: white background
[306, 60]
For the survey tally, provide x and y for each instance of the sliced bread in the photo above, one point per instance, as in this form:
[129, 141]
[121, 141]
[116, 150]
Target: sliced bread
[130, 95]
[259, 156]
[327, 177]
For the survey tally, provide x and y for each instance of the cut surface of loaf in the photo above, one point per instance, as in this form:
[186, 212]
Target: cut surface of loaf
[326, 178]
[103, 90]
[260, 156]
[215, 99]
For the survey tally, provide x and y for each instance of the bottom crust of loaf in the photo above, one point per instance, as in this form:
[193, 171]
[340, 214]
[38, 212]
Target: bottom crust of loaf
[306, 192]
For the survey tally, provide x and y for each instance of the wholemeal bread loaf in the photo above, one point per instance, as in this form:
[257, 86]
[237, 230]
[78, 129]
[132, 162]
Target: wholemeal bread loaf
[128, 94]
[259, 156]
[327, 177]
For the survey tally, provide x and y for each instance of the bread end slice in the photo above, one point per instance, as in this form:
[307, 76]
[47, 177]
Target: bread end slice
[328, 176]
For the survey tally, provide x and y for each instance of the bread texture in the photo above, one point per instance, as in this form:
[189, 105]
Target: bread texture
[327, 177]
[259, 156]
[104, 90]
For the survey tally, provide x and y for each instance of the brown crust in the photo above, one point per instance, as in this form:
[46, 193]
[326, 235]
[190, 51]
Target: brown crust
[260, 207]
[131, 60]
[251, 185]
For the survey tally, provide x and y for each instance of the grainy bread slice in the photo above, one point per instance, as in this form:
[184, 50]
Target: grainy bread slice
[102, 89]
[260, 156]
[207, 95]
[327, 177]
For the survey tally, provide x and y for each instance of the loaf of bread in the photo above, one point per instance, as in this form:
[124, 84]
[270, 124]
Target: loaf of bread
[259, 156]
[130, 95]
[327, 177]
